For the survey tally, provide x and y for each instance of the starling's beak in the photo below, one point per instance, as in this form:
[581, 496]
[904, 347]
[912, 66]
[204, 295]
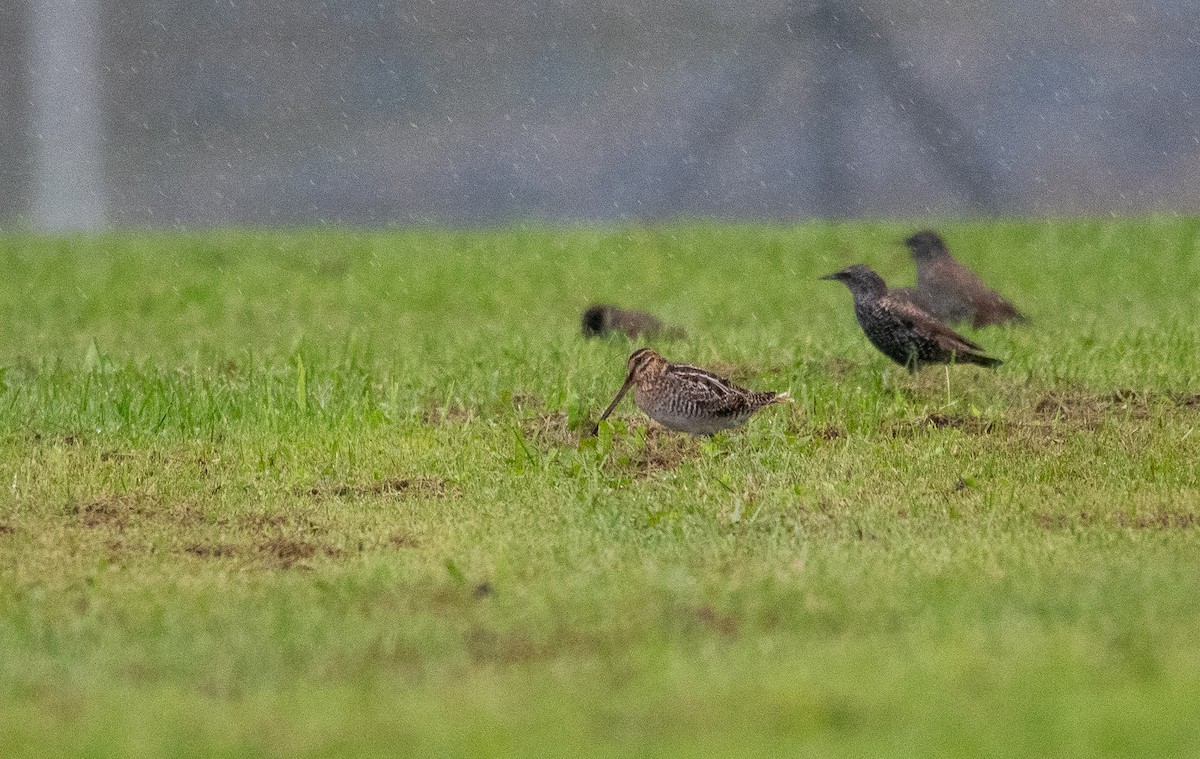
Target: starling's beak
[620, 394]
[837, 275]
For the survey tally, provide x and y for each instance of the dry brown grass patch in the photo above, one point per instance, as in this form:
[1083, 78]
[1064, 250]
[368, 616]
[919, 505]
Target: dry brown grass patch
[402, 540]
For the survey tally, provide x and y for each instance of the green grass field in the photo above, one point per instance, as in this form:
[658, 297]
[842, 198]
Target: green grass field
[268, 494]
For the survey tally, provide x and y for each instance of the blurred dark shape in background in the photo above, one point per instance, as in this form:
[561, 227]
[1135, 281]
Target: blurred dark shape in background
[485, 111]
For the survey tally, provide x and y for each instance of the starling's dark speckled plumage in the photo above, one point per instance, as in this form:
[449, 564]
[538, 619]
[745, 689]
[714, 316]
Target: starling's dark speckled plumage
[949, 290]
[685, 398]
[902, 330]
[603, 320]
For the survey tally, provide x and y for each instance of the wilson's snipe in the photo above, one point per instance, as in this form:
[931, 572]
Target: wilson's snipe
[685, 398]
[950, 291]
[602, 320]
[903, 331]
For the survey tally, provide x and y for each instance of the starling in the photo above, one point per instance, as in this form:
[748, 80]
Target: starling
[952, 292]
[905, 333]
[686, 398]
[604, 320]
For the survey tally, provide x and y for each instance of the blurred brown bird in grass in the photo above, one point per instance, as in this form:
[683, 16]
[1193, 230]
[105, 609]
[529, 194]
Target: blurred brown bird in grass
[950, 291]
[602, 320]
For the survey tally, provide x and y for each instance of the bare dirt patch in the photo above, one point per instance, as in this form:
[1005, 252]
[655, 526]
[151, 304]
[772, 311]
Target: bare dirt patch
[1055, 521]
[434, 414]
[818, 519]
[661, 451]
[1156, 520]
[275, 523]
[287, 552]
[114, 511]
[430, 487]
[969, 425]
[829, 433]
[7, 529]
[838, 367]
[211, 551]
[261, 521]
[1089, 407]
[524, 401]
[722, 624]
[1054, 413]
[1187, 400]
[122, 510]
[486, 646]
[1160, 520]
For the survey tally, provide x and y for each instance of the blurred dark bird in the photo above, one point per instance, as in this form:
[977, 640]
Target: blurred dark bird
[685, 398]
[905, 333]
[603, 320]
[913, 296]
[949, 290]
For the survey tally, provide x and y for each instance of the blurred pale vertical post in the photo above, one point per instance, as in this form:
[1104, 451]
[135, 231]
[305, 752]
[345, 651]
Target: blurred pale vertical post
[68, 132]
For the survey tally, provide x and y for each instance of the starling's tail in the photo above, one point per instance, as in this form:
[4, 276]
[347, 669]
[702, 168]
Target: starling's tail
[978, 358]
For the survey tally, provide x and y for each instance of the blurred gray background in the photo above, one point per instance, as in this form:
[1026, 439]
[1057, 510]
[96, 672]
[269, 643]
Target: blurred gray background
[117, 113]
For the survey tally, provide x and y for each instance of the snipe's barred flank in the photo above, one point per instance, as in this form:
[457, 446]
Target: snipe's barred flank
[903, 331]
[685, 398]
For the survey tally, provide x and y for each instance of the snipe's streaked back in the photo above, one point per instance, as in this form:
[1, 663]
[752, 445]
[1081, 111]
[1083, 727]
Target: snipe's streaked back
[686, 398]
